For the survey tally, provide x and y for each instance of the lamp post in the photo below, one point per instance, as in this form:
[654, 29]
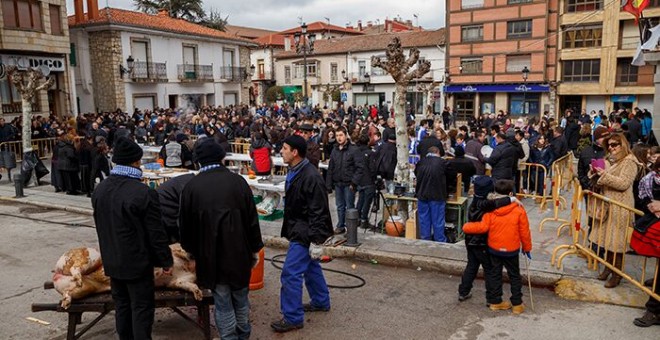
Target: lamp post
[130, 63]
[525, 74]
[304, 44]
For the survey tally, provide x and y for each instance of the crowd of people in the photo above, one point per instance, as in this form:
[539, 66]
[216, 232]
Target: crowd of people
[359, 147]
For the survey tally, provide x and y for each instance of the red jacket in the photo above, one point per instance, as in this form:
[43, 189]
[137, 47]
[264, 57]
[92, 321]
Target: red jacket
[507, 228]
[261, 163]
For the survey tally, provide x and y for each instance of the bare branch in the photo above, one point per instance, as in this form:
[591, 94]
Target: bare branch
[49, 82]
[413, 57]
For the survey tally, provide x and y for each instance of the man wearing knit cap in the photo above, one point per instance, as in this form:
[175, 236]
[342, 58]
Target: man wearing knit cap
[219, 228]
[307, 224]
[132, 240]
[313, 149]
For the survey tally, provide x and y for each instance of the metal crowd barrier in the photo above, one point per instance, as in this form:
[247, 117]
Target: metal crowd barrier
[606, 240]
[240, 147]
[529, 179]
[562, 177]
[42, 146]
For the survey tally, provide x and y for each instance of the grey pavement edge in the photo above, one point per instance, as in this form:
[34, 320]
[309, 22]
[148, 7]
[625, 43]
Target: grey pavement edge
[379, 249]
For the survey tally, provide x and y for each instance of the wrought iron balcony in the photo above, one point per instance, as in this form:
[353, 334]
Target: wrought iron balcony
[233, 74]
[17, 107]
[266, 75]
[149, 72]
[195, 73]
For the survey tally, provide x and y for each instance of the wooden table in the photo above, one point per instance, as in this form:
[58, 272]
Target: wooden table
[102, 303]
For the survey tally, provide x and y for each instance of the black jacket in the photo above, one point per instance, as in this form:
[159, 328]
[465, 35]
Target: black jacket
[431, 179]
[219, 226]
[365, 173]
[426, 143]
[169, 194]
[590, 152]
[463, 166]
[387, 131]
[341, 168]
[67, 157]
[559, 147]
[476, 211]
[386, 161]
[502, 160]
[313, 153]
[572, 134]
[519, 153]
[129, 227]
[634, 130]
[306, 212]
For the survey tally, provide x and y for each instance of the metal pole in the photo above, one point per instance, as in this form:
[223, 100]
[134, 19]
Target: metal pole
[304, 48]
[524, 96]
[352, 216]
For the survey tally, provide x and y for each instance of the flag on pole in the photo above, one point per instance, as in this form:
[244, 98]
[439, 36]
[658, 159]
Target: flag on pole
[634, 7]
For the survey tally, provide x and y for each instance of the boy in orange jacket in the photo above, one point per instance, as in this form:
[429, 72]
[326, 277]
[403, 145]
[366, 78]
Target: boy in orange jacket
[508, 229]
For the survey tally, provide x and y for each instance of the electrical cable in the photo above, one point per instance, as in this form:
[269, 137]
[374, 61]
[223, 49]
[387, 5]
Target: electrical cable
[68, 224]
[275, 259]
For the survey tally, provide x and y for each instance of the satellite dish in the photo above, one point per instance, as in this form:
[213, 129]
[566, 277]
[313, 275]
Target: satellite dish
[45, 70]
[486, 151]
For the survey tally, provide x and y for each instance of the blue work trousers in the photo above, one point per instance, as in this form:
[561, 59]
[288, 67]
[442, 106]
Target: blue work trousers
[432, 219]
[299, 266]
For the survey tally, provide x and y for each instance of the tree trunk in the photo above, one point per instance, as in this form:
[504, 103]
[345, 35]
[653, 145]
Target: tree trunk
[27, 123]
[402, 173]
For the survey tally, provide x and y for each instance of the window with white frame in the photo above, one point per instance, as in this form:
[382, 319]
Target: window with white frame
[472, 33]
[516, 63]
[465, 4]
[287, 74]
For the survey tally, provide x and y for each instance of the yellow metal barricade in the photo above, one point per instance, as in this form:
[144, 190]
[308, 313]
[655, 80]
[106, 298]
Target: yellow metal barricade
[239, 147]
[561, 182]
[532, 182]
[606, 240]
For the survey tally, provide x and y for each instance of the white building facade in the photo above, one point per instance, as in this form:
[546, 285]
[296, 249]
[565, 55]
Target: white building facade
[156, 62]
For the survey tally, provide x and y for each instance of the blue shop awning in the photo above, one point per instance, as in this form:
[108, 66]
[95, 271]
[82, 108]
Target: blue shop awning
[497, 88]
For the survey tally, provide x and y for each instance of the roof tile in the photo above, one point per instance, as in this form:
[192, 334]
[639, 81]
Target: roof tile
[159, 22]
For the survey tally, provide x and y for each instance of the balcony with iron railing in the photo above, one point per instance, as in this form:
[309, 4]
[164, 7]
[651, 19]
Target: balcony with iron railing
[17, 108]
[233, 74]
[146, 72]
[266, 75]
[195, 73]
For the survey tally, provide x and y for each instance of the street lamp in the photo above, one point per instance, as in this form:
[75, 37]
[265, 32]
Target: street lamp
[446, 81]
[525, 75]
[304, 44]
[130, 63]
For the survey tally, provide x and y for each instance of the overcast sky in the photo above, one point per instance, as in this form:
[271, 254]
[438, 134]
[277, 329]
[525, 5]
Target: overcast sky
[284, 14]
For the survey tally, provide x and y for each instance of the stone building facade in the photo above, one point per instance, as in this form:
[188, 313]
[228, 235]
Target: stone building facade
[42, 40]
[105, 54]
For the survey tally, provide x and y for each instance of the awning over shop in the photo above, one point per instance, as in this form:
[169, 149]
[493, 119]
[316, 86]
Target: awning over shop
[497, 88]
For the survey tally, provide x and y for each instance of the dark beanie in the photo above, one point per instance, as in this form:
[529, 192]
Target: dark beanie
[125, 151]
[208, 151]
[483, 185]
[298, 143]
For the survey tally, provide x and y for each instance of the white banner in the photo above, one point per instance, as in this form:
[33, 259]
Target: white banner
[23, 62]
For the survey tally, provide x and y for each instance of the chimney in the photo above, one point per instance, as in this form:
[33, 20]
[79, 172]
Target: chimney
[92, 9]
[163, 12]
[409, 23]
[79, 11]
[370, 23]
[349, 27]
[287, 43]
[359, 25]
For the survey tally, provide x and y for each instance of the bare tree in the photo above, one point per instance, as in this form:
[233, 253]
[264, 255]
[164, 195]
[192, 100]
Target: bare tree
[27, 85]
[427, 89]
[398, 66]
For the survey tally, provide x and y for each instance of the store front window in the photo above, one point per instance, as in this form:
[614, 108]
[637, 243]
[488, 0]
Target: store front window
[527, 104]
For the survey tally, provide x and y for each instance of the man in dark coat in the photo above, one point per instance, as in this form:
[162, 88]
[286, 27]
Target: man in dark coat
[460, 165]
[219, 227]
[307, 224]
[365, 179]
[341, 176]
[503, 159]
[132, 240]
[169, 194]
[558, 143]
[427, 142]
[431, 193]
[572, 133]
[473, 152]
[313, 149]
[386, 159]
[634, 130]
